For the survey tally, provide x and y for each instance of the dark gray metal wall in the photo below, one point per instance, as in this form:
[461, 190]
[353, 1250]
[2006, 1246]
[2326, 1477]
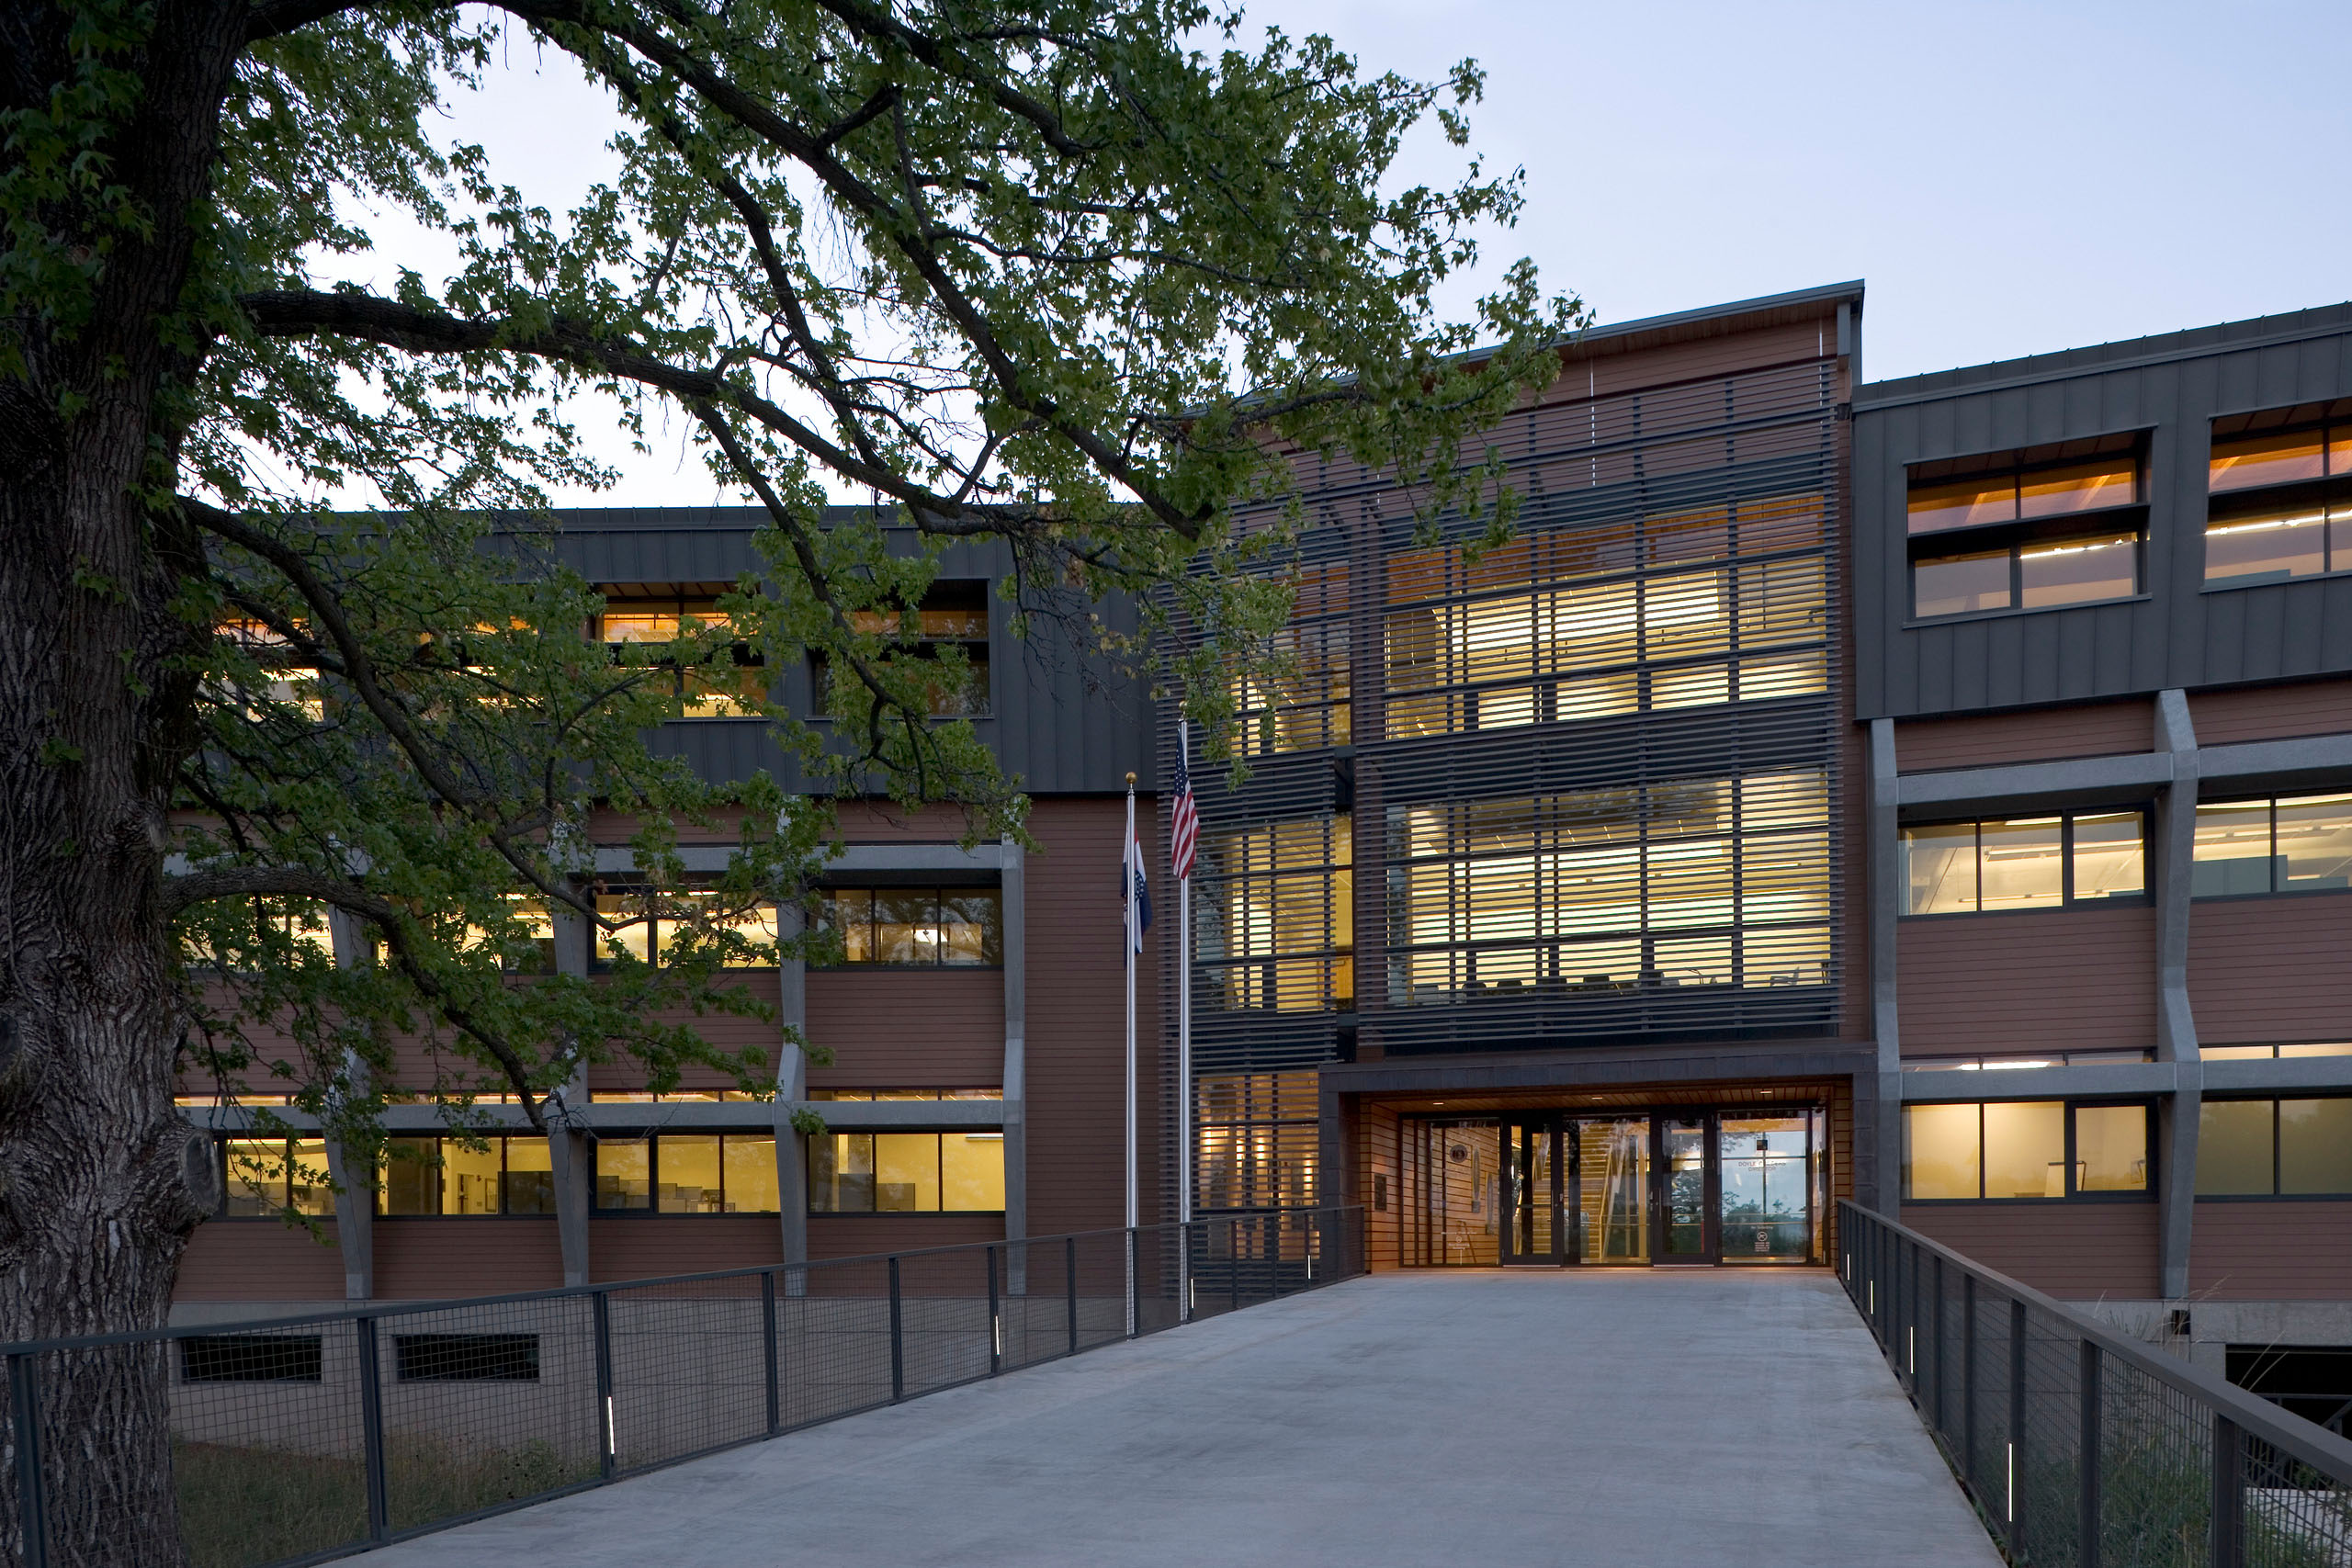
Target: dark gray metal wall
[2177, 635]
[1064, 723]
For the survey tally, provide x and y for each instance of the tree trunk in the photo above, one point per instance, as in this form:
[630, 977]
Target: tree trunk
[101, 1181]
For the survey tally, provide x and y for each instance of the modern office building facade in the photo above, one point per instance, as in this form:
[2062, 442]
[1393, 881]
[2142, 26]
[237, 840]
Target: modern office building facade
[1926, 791]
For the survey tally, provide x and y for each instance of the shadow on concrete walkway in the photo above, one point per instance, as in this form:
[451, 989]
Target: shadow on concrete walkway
[1630, 1418]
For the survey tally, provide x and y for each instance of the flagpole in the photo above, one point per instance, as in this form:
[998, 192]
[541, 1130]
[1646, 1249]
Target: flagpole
[1130, 868]
[1184, 1049]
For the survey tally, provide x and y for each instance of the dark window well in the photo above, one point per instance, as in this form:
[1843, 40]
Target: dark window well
[2027, 530]
[2023, 863]
[920, 928]
[467, 1358]
[2314, 1382]
[2032, 1148]
[2277, 844]
[250, 1358]
[2282, 481]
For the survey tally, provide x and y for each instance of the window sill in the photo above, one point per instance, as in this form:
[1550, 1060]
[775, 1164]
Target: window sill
[2274, 1197]
[2247, 897]
[905, 1213]
[2080, 1200]
[1918, 622]
[2137, 901]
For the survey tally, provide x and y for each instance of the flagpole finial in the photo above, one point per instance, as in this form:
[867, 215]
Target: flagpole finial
[1131, 781]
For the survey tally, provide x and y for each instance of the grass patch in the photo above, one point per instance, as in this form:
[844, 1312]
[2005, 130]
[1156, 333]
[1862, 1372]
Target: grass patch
[241, 1507]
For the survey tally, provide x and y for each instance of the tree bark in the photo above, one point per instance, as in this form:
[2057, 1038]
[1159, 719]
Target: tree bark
[101, 1181]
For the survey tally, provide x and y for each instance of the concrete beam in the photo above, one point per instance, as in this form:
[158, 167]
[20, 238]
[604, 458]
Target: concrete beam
[616, 860]
[1877, 1104]
[2120, 1078]
[355, 1190]
[791, 1093]
[2171, 869]
[571, 1152]
[2077, 780]
[1014, 1109]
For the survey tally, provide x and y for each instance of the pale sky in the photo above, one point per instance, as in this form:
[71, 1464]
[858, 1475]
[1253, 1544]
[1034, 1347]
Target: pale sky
[2008, 179]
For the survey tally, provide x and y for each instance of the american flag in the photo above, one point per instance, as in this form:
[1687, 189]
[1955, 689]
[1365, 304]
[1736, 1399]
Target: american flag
[1183, 815]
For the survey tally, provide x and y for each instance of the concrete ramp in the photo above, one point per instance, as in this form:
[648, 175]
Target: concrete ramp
[1631, 1418]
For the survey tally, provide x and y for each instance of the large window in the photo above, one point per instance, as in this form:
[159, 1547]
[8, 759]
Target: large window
[906, 1173]
[1689, 883]
[443, 1176]
[951, 626]
[2282, 482]
[2023, 863]
[728, 685]
[2031, 1148]
[2264, 1148]
[652, 926]
[1520, 636]
[1259, 1141]
[2278, 844]
[266, 1177]
[2026, 530]
[919, 928]
[1299, 701]
[1275, 918]
[687, 1173]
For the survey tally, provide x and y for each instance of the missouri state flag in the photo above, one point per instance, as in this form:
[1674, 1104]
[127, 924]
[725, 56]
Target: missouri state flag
[1132, 889]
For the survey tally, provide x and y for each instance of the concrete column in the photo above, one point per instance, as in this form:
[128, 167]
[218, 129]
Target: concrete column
[791, 1087]
[355, 1196]
[1016, 1070]
[2172, 865]
[571, 1151]
[1878, 1105]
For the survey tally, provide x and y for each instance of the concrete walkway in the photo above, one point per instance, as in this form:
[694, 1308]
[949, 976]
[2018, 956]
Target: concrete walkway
[1627, 1418]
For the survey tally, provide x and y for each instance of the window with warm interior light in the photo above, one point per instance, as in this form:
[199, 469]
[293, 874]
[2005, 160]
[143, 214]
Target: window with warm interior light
[266, 1178]
[687, 1173]
[2276, 844]
[1679, 883]
[1298, 698]
[2029, 1148]
[2281, 486]
[951, 631]
[652, 927]
[465, 1177]
[730, 684]
[2024, 862]
[906, 1173]
[2027, 530]
[1259, 1141]
[1273, 910]
[916, 927]
[1660, 612]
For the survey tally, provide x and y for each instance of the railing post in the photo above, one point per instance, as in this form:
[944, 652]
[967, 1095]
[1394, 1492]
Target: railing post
[1233, 1263]
[1069, 1281]
[1274, 1254]
[600, 1306]
[996, 1320]
[1968, 1381]
[898, 1343]
[371, 1430]
[2086, 1529]
[768, 1355]
[2229, 1493]
[1936, 1342]
[1134, 1283]
[32, 1496]
[2017, 1491]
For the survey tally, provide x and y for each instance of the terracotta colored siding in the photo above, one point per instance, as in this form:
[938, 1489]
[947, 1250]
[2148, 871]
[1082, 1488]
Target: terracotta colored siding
[728, 1032]
[1378, 1131]
[2037, 980]
[1076, 1073]
[1979, 740]
[656, 1244]
[2264, 712]
[910, 1029]
[1726, 354]
[2080, 1251]
[425, 1259]
[258, 1260]
[2271, 968]
[862, 1235]
[2283, 1251]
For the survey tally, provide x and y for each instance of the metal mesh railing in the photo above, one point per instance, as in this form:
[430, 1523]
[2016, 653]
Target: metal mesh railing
[305, 1439]
[2080, 1448]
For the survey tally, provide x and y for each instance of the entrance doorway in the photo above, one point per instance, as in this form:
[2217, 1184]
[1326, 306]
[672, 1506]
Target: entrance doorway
[1679, 1186]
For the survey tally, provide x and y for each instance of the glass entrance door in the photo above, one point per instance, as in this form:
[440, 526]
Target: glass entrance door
[1612, 1189]
[1533, 1166]
[1767, 1176]
[1686, 1213]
